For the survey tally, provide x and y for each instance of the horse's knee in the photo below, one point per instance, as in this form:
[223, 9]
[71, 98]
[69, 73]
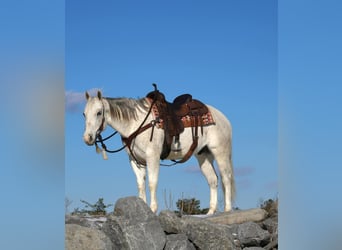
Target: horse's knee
[212, 182]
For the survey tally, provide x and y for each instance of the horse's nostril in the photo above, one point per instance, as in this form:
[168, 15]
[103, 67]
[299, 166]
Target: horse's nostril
[90, 137]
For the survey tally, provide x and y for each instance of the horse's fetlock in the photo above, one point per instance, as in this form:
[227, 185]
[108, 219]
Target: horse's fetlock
[154, 207]
[211, 211]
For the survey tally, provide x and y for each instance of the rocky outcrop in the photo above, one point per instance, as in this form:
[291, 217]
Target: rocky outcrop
[79, 237]
[133, 225]
[202, 233]
[178, 241]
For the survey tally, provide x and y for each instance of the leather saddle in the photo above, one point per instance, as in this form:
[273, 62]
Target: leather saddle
[171, 115]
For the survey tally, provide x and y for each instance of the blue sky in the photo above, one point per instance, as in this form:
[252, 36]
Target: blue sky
[224, 54]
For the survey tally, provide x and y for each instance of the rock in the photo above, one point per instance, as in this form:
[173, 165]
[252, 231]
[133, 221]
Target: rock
[133, 209]
[202, 233]
[84, 238]
[134, 226]
[178, 242]
[207, 235]
[251, 234]
[271, 225]
[253, 248]
[170, 222]
[272, 245]
[239, 216]
[86, 221]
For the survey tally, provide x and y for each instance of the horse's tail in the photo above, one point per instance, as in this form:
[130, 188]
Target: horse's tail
[230, 172]
[232, 179]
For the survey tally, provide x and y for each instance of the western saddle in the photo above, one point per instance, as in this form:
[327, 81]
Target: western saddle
[173, 117]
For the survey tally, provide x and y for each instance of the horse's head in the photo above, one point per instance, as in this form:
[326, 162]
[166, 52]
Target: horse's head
[94, 114]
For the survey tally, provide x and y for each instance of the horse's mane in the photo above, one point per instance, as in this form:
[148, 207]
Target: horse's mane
[126, 108]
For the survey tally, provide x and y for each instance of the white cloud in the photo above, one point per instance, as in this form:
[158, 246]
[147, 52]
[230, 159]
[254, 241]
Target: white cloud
[74, 101]
[244, 171]
[192, 169]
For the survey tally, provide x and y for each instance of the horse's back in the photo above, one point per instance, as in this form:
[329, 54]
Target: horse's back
[220, 134]
[221, 121]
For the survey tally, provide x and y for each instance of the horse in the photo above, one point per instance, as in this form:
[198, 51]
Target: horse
[127, 115]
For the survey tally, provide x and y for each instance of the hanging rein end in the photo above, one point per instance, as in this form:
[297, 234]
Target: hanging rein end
[104, 155]
[98, 150]
[101, 150]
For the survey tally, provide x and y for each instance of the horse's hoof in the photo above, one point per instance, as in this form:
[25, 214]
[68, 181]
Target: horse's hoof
[211, 212]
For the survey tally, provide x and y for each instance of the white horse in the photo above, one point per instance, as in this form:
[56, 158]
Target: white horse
[126, 115]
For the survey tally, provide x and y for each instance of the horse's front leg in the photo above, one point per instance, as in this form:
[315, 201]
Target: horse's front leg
[140, 173]
[153, 173]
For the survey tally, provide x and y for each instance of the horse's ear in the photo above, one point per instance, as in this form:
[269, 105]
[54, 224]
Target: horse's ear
[87, 95]
[99, 95]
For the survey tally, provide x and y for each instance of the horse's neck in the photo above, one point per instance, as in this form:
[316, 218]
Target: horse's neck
[124, 127]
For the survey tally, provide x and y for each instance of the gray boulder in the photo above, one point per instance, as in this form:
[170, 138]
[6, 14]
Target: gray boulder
[178, 242]
[202, 233]
[208, 235]
[253, 248]
[251, 234]
[134, 226]
[170, 222]
[84, 238]
[271, 225]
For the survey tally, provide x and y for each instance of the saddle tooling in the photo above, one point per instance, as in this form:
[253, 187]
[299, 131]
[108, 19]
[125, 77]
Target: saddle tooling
[173, 117]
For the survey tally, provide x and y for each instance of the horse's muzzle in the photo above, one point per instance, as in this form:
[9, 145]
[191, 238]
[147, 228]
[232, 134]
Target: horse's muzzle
[89, 139]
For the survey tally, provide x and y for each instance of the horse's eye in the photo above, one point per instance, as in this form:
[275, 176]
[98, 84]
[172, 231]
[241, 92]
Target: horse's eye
[83, 114]
[99, 113]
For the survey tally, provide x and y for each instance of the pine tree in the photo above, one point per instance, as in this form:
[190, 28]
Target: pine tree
[189, 206]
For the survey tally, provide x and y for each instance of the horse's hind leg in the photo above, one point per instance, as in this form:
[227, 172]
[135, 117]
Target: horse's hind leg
[224, 163]
[205, 160]
[140, 173]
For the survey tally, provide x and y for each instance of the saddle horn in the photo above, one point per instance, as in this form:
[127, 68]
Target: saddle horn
[155, 86]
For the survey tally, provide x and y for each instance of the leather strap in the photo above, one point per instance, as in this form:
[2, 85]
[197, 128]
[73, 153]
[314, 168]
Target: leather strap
[193, 145]
[128, 141]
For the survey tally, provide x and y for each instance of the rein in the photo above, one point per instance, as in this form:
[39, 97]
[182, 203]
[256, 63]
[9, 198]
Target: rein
[100, 140]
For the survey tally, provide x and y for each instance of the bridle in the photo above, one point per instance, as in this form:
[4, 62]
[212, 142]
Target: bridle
[99, 137]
